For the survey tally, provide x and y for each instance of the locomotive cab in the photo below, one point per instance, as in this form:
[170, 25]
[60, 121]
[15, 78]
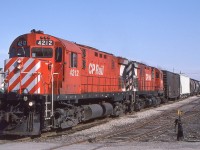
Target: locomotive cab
[43, 51]
[25, 59]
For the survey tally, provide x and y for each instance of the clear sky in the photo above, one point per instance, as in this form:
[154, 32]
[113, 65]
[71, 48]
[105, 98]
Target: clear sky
[161, 33]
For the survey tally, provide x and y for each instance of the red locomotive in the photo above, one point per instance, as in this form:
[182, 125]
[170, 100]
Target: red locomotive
[52, 83]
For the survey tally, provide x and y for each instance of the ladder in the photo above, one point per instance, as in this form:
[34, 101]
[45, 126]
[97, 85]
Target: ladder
[48, 106]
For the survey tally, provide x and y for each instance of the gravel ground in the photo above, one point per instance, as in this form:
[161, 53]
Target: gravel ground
[191, 131]
[117, 123]
[136, 146]
[111, 146]
[193, 136]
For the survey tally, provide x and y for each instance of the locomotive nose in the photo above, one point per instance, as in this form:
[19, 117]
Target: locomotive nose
[26, 75]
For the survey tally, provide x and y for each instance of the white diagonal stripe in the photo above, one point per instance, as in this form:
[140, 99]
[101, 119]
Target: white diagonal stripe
[16, 87]
[15, 77]
[130, 74]
[17, 74]
[24, 68]
[37, 91]
[27, 64]
[33, 83]
[29, 74]
[129, 68]
[12, 67]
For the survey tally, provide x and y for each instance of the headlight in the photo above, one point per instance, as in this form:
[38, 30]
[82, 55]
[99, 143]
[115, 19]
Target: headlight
[25, 98]
[25, 91]
[31, 104]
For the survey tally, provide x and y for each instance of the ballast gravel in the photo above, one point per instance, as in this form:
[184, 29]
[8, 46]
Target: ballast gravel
[112, 125]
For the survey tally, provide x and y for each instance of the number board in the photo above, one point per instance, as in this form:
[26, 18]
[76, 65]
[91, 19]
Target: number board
[44, 42]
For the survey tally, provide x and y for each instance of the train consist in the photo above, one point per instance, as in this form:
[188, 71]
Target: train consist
[51, 83]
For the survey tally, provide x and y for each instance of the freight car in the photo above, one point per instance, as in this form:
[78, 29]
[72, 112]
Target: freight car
[197, 87]
[51, 83]
[194, 87]
[171, 85]
[184, 86]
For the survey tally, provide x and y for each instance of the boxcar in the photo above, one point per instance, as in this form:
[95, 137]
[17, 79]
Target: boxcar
[197, 86]
[194, 87]
[171, 82]
[184, 86]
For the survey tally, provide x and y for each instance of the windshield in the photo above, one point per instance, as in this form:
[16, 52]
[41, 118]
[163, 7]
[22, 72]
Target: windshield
[19, 52]
[39, 52]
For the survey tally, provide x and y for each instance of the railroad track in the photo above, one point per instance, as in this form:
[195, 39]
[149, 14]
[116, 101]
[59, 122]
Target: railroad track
[122, 131]
[159, 130]
[151, 128]
[53, 134]
[89, 125]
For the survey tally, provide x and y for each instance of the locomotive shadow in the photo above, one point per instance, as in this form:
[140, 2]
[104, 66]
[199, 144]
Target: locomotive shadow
[10, 137]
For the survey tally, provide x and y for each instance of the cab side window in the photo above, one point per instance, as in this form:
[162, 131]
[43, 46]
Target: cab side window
[73, 60]
[12, 53]
[157, 75]
[58, 55]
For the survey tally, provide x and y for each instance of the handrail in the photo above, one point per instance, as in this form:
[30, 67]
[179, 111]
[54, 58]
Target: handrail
[52, 75]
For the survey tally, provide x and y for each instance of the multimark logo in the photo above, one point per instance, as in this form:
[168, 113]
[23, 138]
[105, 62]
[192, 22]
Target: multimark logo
[96, 69]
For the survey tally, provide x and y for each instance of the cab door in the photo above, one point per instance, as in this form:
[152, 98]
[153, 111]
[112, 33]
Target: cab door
[71, 83]
[58, 68]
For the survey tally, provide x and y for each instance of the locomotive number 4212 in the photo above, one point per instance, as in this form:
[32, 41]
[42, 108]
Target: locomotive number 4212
[74, 72]
[44, 42]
